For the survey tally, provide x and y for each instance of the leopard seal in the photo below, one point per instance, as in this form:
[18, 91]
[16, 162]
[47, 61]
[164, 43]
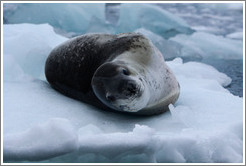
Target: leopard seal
[123, 72]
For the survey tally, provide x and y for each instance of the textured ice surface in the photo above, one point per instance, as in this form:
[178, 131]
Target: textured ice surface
[205, 125]
[52, 138]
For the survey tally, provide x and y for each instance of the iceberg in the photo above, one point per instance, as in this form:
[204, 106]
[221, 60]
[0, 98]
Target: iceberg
[68, 17]
[150, 17]
[42, 125]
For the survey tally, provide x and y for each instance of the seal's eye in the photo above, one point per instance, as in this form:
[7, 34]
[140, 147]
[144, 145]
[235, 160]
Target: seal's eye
[125, 72]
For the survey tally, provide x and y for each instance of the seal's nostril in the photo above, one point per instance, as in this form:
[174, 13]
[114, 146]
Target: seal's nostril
[110, 98]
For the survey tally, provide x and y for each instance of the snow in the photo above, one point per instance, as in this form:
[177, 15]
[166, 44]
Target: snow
[40, 124]
[150, 17]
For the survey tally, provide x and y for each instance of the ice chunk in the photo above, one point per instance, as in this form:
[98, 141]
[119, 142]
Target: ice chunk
[201, 71]
[207, 83]
[53, 138]
[151, 17]
[207, 45]
[27, 46]
[70, 17]
[235, 35]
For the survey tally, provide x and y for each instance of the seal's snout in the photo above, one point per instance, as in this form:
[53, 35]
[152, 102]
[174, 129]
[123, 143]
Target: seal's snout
[128, 88]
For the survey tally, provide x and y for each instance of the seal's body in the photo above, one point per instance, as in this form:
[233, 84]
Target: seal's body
[124, 72]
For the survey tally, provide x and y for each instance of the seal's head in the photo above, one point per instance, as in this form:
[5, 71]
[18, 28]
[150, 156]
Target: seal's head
[120, 87]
